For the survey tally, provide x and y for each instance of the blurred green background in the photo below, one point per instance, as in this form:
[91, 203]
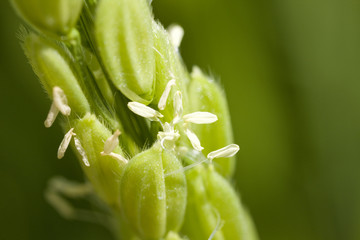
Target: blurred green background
[291, 70]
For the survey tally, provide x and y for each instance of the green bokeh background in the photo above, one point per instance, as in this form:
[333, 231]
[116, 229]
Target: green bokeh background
[291, 70]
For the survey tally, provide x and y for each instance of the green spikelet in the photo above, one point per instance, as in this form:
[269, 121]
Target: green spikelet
[56, 17]
[214, 208]
[206, 95]
[168, 67]
[125, 41]
[154, 202]
[53, 66]
[154, 142]
[103, 171]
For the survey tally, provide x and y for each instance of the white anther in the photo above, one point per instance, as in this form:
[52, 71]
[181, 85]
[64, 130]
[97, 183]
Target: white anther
[60, 101]
[112, 142]
[224, 152]
[69, 188]
[81, 151]
[195, 142]
[176, 33]
[165, 95]
[200, 118]
[54, 111]
[65, 143]
[60, 204]
[116, 156]
[178, 107]
[144, 111]
[60, 191]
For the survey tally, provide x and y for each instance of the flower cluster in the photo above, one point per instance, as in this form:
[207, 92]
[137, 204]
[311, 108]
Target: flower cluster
[154, 141]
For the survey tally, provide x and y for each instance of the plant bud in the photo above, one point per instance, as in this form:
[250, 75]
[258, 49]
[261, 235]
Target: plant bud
[55, 17]
[169, 67]
[214, 208]
[125, 42]
[104, 171]
[206, 95]
[153, 193]
[53, 67]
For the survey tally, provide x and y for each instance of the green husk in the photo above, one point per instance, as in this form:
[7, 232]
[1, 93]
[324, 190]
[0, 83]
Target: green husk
[154, 202]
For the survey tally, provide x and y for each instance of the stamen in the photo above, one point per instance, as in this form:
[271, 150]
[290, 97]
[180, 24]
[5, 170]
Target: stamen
[224, 152]
[169, 134]
[165, 95]
[168, 127]
[162, 142]
[176, 33]
[112, 142]
[69, 188]
[144, 111]
[60, 204]
[195, 142]
[178, 107]
[60, 101]
[200, 117]
[59, 194]
[54, 111]
[184, 169]
[218, 226]
[116, 156]
[172, 137]
[82, 152]
[65, 143]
